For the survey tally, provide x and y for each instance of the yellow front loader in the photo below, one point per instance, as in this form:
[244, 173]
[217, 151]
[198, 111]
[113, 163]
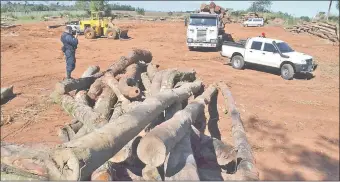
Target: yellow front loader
[99, 26]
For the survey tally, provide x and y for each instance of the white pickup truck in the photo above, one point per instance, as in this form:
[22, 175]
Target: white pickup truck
[268, 52]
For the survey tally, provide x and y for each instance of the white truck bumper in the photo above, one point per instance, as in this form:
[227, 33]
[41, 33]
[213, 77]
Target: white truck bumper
[201, 45]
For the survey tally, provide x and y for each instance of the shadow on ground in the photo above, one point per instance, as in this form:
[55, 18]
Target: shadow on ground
[297, 156]
[6, 100]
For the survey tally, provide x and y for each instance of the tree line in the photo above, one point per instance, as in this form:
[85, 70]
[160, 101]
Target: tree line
[101, 5]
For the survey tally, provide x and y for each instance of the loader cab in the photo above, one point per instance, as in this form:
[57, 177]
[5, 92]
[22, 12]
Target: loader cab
[97, 15]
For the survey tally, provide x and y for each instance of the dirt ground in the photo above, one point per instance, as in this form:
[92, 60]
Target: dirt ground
[293, 126]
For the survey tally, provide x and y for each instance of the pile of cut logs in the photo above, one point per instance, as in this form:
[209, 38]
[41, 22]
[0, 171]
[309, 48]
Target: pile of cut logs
[321, 29]
[134, 121]
[215, 9]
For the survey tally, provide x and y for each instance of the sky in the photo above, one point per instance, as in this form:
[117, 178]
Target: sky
[295, 8]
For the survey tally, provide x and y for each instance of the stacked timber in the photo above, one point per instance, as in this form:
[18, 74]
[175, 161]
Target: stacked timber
[215, 9]
[134, 121]
[320, 29]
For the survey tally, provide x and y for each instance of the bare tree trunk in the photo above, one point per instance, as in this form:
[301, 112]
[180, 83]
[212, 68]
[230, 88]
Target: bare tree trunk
[105, 103]
[82, 98]
[96, 89]
[146, 82]
[90, 71]
[152, 70]
[156, 145]
[92, 150]
[246, 169]
[180, 163]
[128, 84]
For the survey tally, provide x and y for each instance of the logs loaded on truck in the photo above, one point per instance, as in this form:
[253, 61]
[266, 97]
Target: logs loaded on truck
[320, 29]
[134, 121]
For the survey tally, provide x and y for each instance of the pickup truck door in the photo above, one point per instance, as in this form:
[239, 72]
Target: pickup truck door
[253, 52]
[269, 56]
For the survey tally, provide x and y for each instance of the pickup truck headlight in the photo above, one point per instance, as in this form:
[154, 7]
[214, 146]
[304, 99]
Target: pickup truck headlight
[190, 40]
[213, 41]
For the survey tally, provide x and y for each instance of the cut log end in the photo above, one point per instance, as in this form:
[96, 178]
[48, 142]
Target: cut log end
[151, 151]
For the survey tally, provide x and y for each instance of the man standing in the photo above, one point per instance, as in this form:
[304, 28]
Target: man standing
[70, 44]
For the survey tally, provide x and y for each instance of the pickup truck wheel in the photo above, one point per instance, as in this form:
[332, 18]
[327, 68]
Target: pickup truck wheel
[287, 72]
[237, 62]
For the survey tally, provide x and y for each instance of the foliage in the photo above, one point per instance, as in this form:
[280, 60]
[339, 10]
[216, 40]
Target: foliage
[337, 5]
[140, 11]
[260, 6]
[170, 13]
[305, 18]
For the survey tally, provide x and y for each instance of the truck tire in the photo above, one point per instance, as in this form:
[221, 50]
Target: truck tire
[287, 72]
[89, 33]
[237, 62]
[111, 34]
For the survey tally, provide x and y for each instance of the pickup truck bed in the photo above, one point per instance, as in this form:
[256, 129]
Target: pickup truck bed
[234, 44]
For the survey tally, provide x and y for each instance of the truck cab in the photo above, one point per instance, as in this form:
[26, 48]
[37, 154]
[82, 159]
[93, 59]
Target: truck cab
[204, 30]
[268, 52]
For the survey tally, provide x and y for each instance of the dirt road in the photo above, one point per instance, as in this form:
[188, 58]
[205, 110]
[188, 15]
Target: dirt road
[293, 126]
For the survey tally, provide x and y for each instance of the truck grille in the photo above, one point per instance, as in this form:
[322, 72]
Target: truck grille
[201, 35]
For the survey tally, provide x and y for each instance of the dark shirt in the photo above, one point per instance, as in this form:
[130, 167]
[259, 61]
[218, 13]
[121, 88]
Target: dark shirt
[69, 42]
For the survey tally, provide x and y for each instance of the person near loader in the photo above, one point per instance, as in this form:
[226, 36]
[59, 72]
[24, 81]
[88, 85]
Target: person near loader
[70, 44]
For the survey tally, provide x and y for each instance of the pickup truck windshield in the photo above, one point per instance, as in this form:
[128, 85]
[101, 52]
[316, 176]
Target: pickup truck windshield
[202, 21]
[284, 47]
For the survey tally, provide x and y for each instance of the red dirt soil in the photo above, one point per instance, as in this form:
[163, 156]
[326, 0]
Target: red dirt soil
[293, 126]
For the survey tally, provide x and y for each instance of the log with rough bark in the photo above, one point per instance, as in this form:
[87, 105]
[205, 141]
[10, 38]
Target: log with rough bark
[180, 163]
[128, 83]
[87, 153]
[110, 81]
[82, 97]
[151, 70]
[90, 71]
[156, 145]
[133, 57]
[85, 83]
[105, 103]
[96, 89]
[146, 82]
[246, 169]
[7, 92]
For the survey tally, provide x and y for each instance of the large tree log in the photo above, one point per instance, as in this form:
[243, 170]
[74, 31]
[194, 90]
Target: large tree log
[23, 163]
[246, 167]
[92, 150]
[7, 92]
[128, 83]
[81, 112]
[110, 81]
[151, 173]
[105, 103]
[146, 82]
[151, 70]
[180, 163]
[85, 83]
[133, 57]
[156, 145]
[96, 89]
[90, 71]
[82, 97]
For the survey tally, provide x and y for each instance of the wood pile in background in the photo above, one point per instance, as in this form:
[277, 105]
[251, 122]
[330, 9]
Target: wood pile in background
[320, 29]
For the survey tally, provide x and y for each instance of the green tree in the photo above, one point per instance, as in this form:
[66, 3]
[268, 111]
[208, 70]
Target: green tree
[260, 6]
[305, 18]
[140, 11]
[98, 5]
[82, 5]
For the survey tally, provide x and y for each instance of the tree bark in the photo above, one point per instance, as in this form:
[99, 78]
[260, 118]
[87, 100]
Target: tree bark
[180, 163]
[82, 97]
[105, 103]
[90, 71]
[96, 89]
[151, 173]
[92, 150]
[146, 82]
[246, 169]
[151, 70]
[156, 145]
[133, 57]
[6, 92]
[128, 84]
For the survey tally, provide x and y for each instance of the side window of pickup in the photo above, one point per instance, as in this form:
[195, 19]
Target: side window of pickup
[256, 45]
[268, 47]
